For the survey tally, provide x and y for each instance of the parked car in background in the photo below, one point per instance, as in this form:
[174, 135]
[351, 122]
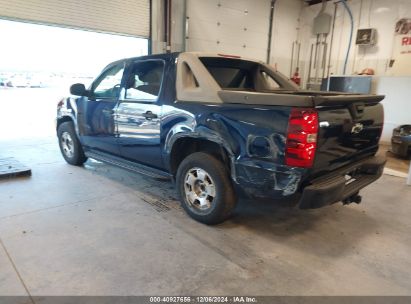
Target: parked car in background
[35, 82]
[20, 81]
[401, 141]
[5, 82]
[224, 127]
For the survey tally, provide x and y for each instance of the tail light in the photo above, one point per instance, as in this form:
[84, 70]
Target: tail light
[301, 138]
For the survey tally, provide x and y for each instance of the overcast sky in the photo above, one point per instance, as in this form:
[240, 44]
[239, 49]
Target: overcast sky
[32, 47]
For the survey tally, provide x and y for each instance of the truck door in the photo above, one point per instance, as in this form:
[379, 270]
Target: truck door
[138, 114]
[96, 111]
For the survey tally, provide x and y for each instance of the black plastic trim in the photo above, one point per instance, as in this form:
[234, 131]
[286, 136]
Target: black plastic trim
[333, 187]
[131, 166]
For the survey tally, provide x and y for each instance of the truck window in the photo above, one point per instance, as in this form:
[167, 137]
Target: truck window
[108, 84]
[145, 79]
[236, 74]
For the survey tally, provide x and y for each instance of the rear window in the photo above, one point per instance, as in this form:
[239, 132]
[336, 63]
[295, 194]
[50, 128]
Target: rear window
[238, 74]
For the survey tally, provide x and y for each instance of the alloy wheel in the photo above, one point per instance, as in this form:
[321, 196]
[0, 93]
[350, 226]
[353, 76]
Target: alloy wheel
[199, 189]
[67, 144]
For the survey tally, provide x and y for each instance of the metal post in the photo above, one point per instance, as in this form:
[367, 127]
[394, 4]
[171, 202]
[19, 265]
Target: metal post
[309, 67]
[185, 25]
[270, 30]
[150, 35]
[167, 25]
[292, 60]
[409, 176]
[332, 39]
[169, 45]
[316, 61]
[325, 46]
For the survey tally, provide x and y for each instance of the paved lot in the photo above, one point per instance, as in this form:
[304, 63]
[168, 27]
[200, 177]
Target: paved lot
[99, 230]
[28, 112]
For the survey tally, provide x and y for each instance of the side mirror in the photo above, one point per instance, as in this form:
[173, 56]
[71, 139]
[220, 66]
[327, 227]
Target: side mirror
[78, 89]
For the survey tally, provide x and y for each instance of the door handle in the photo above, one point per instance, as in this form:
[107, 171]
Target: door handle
[149, 115]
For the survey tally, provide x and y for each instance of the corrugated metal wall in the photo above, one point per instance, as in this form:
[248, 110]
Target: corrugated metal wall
[126, 17]
[229, 26]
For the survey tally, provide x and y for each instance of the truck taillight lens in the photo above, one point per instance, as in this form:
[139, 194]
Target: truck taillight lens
[301, 138]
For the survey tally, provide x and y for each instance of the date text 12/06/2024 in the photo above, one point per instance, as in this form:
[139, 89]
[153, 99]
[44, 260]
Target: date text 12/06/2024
[200, 299]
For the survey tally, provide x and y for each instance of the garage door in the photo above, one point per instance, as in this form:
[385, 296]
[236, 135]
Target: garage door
[230, 26]
[127, 17]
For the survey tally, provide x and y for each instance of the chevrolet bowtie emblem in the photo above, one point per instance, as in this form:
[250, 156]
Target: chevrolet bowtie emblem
[357, 128]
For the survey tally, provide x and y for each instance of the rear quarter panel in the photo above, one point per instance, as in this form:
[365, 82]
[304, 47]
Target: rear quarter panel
[253, 136]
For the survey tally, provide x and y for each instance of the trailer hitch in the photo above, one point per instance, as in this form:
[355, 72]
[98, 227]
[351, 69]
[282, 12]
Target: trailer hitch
[355, 198]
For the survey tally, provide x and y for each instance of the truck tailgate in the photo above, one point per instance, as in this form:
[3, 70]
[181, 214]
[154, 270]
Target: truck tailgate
[350, 125]
[350, 128]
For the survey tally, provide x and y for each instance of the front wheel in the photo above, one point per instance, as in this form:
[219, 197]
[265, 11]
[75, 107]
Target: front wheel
[70, 146]
[205, 189]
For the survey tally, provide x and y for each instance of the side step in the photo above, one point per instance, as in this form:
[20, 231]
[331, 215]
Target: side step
[128, 165]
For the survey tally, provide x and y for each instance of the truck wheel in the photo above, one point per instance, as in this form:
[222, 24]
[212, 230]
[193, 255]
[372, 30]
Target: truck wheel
[69, 144]
[205, 189]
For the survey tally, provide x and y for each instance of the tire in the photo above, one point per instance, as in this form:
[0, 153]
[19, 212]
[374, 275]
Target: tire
[205, 188]
[70, 146]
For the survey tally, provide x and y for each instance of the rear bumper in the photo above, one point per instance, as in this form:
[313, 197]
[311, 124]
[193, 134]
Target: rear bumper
[335, 187]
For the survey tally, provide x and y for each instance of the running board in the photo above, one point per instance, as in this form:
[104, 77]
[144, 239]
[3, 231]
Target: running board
[128, 165]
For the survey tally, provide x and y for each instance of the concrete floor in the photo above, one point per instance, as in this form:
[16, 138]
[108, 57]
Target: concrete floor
[394, 162]
[100, 230]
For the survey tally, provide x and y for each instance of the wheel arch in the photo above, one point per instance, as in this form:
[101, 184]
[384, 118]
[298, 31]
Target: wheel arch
[63, 119]
[186, 145]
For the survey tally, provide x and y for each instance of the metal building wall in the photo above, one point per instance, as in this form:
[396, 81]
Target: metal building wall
[228, 26]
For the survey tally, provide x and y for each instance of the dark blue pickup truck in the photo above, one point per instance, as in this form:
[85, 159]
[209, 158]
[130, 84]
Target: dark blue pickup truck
[223, 127]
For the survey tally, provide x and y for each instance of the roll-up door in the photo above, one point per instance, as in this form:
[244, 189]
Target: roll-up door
[125, 17]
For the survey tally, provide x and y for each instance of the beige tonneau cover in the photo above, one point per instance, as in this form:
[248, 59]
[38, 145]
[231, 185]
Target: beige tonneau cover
[195, 84]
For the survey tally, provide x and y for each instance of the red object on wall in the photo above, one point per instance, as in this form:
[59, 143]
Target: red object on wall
[406, 41]
[296, 77]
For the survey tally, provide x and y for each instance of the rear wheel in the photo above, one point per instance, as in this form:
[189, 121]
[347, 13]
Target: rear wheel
[70, 146]
[205, 188]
